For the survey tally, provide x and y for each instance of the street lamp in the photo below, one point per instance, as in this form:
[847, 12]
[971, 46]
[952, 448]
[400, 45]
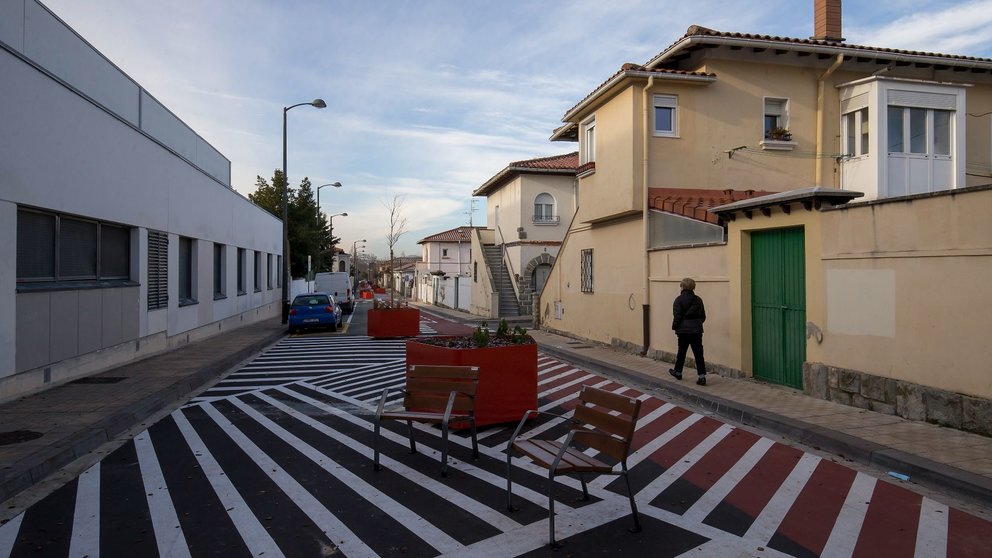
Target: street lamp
[354, 257]
[330, 228]
[334, 185]
[317, 103]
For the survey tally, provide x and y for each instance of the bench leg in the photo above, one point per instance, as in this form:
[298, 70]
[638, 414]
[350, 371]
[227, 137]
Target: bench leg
[633, 504]
[551, 509]
[475, 441]
[585, 490]
[375, 446]
[444, 449]
[509, 482]
[413, 445]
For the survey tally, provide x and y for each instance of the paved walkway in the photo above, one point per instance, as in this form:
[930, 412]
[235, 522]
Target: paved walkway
[942, 458]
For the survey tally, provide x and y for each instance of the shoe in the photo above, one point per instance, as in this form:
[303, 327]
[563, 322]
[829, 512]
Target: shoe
[676, 375]
[701, 381]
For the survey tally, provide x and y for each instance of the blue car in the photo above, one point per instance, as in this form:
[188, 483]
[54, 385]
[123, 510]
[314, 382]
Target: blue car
[314, 310]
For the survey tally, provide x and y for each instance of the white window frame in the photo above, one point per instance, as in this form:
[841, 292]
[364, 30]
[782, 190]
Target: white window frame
[668, 102]
[861, 119]
[545, 217]
[588, 128]
[775, 106]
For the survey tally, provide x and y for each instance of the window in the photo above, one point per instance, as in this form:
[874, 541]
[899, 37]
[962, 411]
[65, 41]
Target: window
[776, 118]
[187, 271]
[589, 140]
[242, 276]
[268, 269]
[544, 209]
[585, 265]
[856, 133]
[920, 131]
[279, 271]
[666, 116]
[258, 271]
[54, 247]
[158, 270]
[444, 252]
[219, 290]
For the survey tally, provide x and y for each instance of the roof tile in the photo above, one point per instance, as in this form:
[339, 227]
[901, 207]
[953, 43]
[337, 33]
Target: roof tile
[460, 234]
[694, 203]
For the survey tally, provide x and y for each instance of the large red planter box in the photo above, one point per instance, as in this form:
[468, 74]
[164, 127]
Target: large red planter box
[394, 322]
[507, 376]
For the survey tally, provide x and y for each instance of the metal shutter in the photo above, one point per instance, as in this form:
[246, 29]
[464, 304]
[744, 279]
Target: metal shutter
[158, 270]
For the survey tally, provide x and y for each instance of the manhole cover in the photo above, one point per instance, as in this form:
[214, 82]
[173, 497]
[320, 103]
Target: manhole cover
[17, 436]
[99, 380]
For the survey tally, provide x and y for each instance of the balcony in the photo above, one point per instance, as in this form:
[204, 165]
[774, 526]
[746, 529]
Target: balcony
[546, 219]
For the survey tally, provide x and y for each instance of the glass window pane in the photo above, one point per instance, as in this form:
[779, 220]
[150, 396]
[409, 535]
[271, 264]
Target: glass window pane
[218, 269]
[917, 130]
[850, 126]
[863, 115]
[185, 269]
[942, 132]
[895, 130]
[114, 252]
[35, 245]
[77, 249]
[664, 119]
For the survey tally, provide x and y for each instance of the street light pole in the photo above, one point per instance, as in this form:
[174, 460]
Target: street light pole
[330, 228]
[334, 185]
[317, 103]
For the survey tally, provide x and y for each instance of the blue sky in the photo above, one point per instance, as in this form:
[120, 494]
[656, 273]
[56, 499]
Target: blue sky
[428, 99]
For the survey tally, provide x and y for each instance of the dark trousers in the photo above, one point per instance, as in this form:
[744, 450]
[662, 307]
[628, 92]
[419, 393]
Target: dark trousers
[694, 340]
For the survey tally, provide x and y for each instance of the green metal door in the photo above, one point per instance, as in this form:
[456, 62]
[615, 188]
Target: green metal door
[778, 305]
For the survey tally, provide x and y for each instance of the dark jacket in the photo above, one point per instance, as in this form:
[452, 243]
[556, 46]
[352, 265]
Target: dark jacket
[688, 313]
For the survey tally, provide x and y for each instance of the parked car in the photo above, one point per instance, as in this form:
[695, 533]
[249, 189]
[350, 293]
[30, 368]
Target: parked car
[314, 310]
[338, 284]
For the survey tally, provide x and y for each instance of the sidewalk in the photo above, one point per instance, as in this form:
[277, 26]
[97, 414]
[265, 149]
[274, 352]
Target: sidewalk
[67, 422]
[942, 458]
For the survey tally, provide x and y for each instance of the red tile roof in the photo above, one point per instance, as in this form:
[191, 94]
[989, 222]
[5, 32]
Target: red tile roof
[556, 164]
[693, 203]
[630, 69]
[461, 234]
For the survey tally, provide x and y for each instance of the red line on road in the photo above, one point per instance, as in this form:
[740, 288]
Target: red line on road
[891, 523]
[673, 452]
[968, 535]
[812, 516]
[711, 468]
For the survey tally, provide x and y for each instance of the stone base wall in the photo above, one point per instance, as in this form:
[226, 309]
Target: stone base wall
[897, 397]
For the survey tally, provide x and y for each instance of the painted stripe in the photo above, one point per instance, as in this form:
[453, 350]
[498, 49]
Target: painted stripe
[8, 534]
[931, 538]
[660, 483]
[350, 544]
[252, 532]
[891, 523]
[405, 516]
[86, 519]
[168, 532]
[705, 505]
[852, 516]
[765, 525]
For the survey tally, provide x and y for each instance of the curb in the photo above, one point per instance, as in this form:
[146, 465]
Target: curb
[36, 467]
[866, 452]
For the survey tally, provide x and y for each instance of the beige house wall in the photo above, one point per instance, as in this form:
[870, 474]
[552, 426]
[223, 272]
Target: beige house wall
[615, 188]
[562, 189]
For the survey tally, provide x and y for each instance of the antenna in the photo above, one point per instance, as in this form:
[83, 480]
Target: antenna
[471, 211]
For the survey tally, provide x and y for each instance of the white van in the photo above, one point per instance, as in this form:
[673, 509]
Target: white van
[337, 283]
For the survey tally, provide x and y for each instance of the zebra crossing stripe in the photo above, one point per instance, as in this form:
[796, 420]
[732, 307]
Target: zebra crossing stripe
[85, 539]
[255, 536]
[571, 396]
[709, 500]
[418, 525]
[661, 482]
[168, 533]
[844, 535]
[764, 526]
[349, 543]
[8, 534]
[931, 538]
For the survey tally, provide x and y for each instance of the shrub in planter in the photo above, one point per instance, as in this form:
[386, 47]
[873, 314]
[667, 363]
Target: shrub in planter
[387, 321]
[507, 364]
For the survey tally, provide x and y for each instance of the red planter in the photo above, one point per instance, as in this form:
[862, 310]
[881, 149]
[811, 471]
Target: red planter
[507, 376]
[394, 322]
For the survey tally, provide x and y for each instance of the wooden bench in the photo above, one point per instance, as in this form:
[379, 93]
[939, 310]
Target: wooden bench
[437, 395]
[604, 421]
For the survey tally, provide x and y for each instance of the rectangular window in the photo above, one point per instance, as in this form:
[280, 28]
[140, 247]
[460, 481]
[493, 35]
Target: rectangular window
[856, 133]
[115, 252]
[918, 130]
[776, 118]
[187, 271]
[444, 252]
[219, 269]
[54, 247]
[268, 274]
[158, 270]
[942, 132]
[589, 140]
[909, 130]
[279, 271]
[666, 116]
[35, 246]
[585, 264]
[258, 271]
[242, 276]
[897, 139]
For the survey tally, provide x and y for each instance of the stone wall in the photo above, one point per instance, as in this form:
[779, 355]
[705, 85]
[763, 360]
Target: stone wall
[898, 397]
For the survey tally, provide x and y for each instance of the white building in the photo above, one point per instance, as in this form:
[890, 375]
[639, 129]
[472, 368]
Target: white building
[122, 235]
[444, 272]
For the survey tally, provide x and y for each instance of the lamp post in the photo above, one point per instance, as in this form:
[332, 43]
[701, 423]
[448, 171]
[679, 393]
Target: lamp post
[334, 185]
[330, 228]
[354, 257]
[317, 103]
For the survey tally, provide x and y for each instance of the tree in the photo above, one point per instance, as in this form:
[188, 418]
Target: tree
[397, 228]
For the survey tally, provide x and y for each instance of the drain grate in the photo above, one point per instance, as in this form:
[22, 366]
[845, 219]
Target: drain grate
[99, 380]
[17, 436]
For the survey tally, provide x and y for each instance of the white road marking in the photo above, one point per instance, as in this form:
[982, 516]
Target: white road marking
[844, 536]
[165, 523]
[931, 536]
[85, 539]
[764, 526]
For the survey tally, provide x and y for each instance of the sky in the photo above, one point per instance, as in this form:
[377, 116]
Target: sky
[428, 99]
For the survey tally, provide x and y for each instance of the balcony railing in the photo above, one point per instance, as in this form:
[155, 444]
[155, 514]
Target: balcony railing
[546, 219]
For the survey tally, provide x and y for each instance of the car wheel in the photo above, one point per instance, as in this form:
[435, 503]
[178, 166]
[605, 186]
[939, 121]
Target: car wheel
[292, 330]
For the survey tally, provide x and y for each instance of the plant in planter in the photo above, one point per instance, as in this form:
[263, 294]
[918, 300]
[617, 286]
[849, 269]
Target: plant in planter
[779, 134]
[507, 362]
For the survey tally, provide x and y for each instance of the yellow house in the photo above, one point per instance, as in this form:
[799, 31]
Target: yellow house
[837, 223]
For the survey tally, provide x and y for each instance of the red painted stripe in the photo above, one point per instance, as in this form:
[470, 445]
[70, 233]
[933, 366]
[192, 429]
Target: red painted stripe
[752, 494]
[673, 452]
[968, 535]
[708, 470]
[891, 523]
[659, 426]
[812, 516]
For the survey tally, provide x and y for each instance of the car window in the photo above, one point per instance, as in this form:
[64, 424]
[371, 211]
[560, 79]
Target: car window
[313, 300]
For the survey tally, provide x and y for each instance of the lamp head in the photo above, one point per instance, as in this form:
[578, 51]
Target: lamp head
[319, 103]
[344, 214]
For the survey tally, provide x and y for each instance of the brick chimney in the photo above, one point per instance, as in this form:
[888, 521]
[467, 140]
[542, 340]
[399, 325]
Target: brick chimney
[827, 18]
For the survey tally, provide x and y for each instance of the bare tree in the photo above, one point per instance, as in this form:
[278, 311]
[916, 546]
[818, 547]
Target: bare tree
[397, 228]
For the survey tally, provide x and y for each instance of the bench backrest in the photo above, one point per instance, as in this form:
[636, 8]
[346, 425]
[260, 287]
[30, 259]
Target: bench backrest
[430, 386]
[594, 409]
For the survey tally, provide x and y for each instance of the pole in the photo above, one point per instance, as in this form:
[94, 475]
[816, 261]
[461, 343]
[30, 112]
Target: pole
[318, 234]
[285, 225]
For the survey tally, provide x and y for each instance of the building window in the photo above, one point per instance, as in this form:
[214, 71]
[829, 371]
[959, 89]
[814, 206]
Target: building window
[219, 269]
[444, 252]
[777, 119]
[187, 271]
[53, 247]
[268, 271]
[544, 209]
[585, 265]
[666, 116]
[920, 131]
[856, 133]
[258, 272]
[158, 270]
[589, 140]
[279, 271]
[242, 272]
